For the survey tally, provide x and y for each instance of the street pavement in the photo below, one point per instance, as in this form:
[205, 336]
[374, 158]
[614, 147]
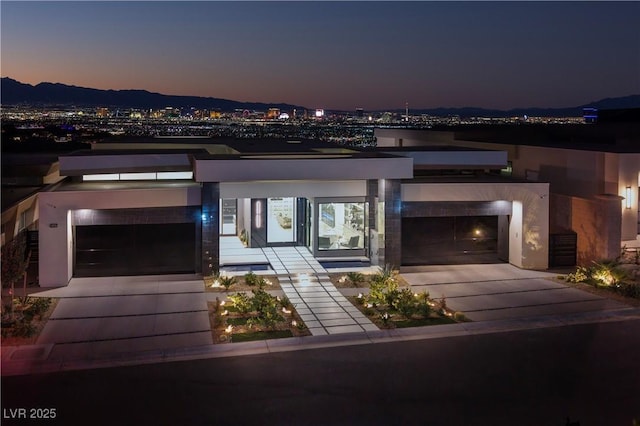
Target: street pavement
[104, 322]
[537, 377]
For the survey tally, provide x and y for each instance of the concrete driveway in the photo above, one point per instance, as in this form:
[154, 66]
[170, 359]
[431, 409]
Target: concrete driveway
[104, 316]
[502, 291]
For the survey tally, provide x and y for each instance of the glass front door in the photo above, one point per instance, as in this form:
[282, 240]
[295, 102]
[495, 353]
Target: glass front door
[228, 217]
[281, 220]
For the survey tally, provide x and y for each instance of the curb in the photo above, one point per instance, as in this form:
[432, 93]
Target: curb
[16, 360]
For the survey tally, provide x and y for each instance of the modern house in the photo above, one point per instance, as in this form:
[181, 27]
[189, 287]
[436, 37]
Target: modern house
[161, 205]
[593, 171]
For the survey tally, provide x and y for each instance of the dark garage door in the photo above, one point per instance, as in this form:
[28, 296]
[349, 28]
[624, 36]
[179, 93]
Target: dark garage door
[105, 250]
[449, 240]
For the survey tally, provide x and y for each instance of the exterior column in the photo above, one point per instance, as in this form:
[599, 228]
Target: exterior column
[210, 228]
[389, 192]
[372, 200]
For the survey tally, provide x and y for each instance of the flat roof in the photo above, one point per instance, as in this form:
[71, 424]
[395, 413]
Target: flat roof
[602, 137]
[124, 185]
[479, 178]
[238, 159]
[223, 145]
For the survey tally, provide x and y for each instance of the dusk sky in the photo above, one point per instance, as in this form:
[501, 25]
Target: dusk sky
[333, 55]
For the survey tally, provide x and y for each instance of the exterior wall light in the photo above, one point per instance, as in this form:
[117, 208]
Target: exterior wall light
[627, 197]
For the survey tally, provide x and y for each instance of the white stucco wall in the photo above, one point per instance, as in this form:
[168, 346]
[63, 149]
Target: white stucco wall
[307, 189]
[629, 175]
[301, 167]
[529, 225]
[55, 230]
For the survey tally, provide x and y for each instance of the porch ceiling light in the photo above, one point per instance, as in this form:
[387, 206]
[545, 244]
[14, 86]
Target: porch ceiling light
[627, 197]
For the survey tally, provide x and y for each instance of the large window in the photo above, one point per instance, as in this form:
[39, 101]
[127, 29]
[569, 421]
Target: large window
[341, 226]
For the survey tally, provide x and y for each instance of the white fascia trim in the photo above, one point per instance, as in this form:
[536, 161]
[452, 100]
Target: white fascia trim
[240, 170]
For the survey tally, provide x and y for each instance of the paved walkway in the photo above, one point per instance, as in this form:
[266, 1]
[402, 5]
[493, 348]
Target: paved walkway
[318, 302]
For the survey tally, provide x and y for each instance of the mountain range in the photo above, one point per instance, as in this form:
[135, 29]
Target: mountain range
[13, 92]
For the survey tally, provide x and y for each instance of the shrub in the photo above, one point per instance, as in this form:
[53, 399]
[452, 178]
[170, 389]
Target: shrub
[227, 282]
[24, 328]
[441, 305]
[241, 302]
[40, 304]
[251, 279]
[607, 273]
[629, 289]
[423, 306]
[266, 306]
[285, 302]
[377, 292]
[356, 278]
[405, 303]
[580, 275]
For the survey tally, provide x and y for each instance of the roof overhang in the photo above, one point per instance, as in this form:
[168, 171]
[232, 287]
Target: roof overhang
[458, 159]
[247, 168]
[76, 165]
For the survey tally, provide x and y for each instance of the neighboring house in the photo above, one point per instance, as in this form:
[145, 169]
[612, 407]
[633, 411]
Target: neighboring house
[593, 171]
[152, 206]
[23, 177]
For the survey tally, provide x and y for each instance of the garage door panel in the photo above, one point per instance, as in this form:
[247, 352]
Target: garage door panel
[103, 250]
[449, 240]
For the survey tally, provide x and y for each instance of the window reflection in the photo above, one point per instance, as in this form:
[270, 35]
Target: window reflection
[341, 226]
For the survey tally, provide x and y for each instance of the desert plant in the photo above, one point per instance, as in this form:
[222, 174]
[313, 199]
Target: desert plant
[227, 281]
[24, 328]
[376, 292]
[285, 302]
[40, 304]
[266, 306]
[356, 278]
[405, 303]
[391, 292]
[300, 325]
[580, 275]
[241, 302]
[263, 301]
[441, 305]
[607, 273]
[253, 280]
[629, 289]
[424, 304]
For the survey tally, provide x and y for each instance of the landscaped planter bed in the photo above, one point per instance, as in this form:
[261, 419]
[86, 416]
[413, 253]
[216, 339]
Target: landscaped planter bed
[260, 316]
[25, 331]
[244, 282]
[390, 304]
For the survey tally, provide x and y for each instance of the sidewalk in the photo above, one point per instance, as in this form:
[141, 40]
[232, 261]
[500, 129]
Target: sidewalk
[35, 359]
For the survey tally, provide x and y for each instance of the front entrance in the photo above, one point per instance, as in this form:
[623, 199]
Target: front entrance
[328, 227]
[278, 222]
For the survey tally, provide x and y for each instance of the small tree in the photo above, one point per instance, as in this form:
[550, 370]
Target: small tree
[15, 261]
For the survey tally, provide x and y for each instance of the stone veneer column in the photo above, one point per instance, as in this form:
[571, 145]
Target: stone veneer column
[372, 200]
[389, 191]
[210, 227]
